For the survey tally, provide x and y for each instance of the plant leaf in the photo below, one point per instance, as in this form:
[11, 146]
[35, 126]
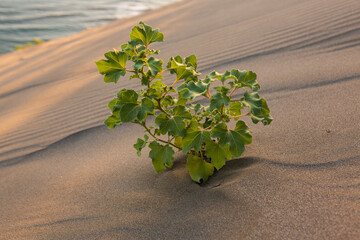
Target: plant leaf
[155, 66]
[112, 122]
[140, 144]
[144, 35]
[235, 108]
[246, 79]
[127, 96]
[194, 89]
[182, 71]
[156, 89]
[162, 156]
[180, 111]
[218, 99]
[194, 138]
[178, 141]
[221, 77]
[174, 126]
[236, 138]
[129, 111]
[198, 168]
[113, 67]
[218, 154]
[192, 60]
[147, 106]
[139, 64]
[259, 110]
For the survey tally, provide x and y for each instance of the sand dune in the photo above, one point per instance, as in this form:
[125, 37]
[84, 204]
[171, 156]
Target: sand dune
[63, 175]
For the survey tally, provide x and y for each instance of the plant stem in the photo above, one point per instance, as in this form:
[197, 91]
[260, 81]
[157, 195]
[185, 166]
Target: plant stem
[208, 94]
[161, 72]
[201, 154]
[156, 138]
[160, 107]
[242, 115]
[232, 92]
[169, 88]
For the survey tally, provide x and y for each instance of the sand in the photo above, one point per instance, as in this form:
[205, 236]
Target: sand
[64, 175]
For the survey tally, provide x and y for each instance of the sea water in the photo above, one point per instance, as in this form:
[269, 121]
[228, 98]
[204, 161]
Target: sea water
[22, 21]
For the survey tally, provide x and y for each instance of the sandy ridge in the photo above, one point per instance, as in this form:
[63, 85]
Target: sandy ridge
[298, 180]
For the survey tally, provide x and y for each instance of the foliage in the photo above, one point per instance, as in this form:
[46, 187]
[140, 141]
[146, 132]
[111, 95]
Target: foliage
[28, 44]
[200, 131]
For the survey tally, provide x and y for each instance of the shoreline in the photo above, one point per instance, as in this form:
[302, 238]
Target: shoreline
[54, 20]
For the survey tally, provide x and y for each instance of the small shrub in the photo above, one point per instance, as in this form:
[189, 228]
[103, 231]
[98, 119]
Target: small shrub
[200, 131]
[29, 44]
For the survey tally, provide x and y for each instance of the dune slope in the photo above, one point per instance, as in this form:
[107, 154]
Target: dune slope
[63, 175]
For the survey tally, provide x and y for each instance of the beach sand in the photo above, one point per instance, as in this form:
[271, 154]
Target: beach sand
[64, 175]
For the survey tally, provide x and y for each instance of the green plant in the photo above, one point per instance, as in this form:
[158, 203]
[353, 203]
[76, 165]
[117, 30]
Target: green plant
[28, 44]
[201, 132]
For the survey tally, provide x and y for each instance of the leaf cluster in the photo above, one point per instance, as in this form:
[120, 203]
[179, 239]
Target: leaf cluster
[200, 131]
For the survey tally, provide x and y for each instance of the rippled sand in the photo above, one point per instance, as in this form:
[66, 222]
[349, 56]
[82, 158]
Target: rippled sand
[63, 175]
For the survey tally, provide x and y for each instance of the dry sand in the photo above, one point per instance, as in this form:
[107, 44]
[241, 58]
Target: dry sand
[63, 175]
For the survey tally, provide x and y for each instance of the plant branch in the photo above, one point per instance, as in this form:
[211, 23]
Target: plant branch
[169, 88]
[161, 72]
[242, 115]
[232, 92]
[156, 138]
[208, 95]
[160, 107]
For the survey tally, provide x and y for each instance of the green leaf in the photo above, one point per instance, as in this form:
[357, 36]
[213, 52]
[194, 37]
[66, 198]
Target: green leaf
[144, 35]
[156, 89]
[217, 100]
[162, 156]
[113, 67]
[112, 122]
[198, 168]
[178, 141]
[222, 89]
[147, 107]
[129, 49]
[182, 71]
[129, 112]
[246, 79]
[174, 126]
[236, 138]
[192, 60]
[155, 66]
[180, 111]
[168, 101]
[194, 89]
[112, 104]
[259, 110]
[218, 153]
[181, 101]
[127, 96]
[140, 144]
[235, 108]
[139, 64]
[221, 77]
[194, 138]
